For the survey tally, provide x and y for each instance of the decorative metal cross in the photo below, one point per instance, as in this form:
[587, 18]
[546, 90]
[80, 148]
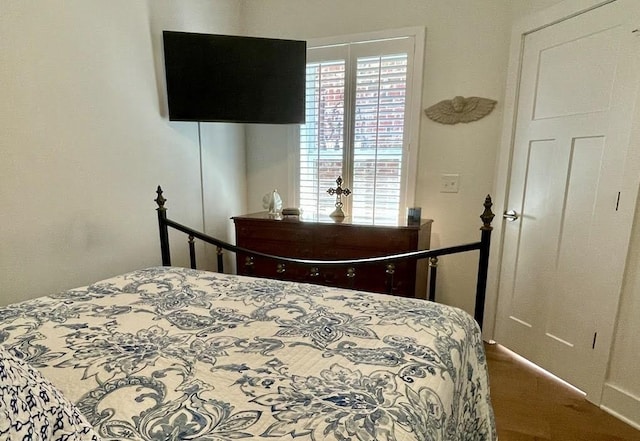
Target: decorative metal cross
[339, 192]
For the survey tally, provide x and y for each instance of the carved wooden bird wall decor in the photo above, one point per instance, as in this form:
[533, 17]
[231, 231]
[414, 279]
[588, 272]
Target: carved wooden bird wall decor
[460, 109]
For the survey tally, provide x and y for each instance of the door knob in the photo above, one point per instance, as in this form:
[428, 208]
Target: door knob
[510, 215]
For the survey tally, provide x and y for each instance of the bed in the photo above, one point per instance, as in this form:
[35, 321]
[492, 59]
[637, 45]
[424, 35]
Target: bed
[168, 353]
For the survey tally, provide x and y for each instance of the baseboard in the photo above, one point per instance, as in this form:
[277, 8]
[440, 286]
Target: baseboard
[621, 404]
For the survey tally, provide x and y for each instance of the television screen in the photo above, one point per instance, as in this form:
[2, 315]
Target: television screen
[234, 78]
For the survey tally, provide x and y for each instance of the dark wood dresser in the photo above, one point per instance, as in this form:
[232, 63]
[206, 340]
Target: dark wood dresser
[326, 239]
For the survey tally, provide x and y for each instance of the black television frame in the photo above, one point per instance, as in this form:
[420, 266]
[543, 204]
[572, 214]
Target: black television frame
[238, 79]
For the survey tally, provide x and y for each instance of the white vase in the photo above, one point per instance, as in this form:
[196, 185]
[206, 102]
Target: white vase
[272, 202]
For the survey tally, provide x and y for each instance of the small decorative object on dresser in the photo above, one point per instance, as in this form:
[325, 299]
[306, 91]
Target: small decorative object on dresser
[291, 212]
[338, 191]
[272, 202]
[413, 215]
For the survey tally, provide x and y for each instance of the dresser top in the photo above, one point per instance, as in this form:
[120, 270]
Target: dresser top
[325, 219]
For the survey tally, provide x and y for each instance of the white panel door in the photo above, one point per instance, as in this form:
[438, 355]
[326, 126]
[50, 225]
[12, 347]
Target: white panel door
[563, 258]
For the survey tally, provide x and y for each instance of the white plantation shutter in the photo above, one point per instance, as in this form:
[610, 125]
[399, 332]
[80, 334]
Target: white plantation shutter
[356, 127]
[378, 138]
[322, 137]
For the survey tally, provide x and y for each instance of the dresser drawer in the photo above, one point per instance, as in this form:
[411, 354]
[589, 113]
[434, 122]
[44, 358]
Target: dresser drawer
[281, 232]
[382, 241]
[323, 252]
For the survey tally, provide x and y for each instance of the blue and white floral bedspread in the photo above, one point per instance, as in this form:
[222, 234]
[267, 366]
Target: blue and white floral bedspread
[178, 354]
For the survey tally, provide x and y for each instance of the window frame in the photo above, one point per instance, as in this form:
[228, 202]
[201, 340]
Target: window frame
[413, 110]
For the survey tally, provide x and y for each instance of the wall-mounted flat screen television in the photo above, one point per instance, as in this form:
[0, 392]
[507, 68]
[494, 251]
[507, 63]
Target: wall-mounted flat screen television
[234, 78]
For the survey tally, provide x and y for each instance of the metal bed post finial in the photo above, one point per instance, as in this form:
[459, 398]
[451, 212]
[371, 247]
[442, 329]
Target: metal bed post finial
[487, 216]
[163, 228]
[160, 200]
[483, 264]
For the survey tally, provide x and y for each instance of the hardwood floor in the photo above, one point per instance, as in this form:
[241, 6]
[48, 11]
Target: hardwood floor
[532, 406]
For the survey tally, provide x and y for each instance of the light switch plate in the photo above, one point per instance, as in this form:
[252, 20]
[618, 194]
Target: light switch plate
[449, 183]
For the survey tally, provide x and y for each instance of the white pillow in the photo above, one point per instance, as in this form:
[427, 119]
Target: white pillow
[32, 408]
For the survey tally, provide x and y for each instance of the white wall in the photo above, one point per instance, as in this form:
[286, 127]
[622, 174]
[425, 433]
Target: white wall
[269, 166]
[83, 139]
[521, 8]
[466, 54]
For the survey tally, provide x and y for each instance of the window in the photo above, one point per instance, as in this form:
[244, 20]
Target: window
[362, 117]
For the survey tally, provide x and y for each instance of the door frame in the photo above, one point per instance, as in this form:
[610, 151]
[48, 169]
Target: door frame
[559, 12]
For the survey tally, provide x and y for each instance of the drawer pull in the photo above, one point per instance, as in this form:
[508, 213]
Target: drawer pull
[391, 268]
[351, 275]
[249, 265]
